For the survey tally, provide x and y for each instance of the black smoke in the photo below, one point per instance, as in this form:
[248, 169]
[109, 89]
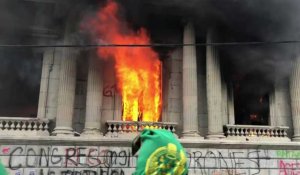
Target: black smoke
[27, 22]
[20, 68]
[251, 68]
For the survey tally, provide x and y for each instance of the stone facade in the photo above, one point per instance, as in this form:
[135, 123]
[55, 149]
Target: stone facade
[198, 106]
[104, 157]
[211, 108]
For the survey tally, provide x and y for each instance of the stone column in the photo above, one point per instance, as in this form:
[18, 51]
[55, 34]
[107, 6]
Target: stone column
[66, 93]
[109, 92]
[214, 94]
[48, 59]
[224, 104]
[231, 117]
[189, 72]
[272, 116]
[94, 98]
[49, 84]
[202, 102]
[295, 98]
[280, 111]
[173, 91]
[52, 96]
[117, 106]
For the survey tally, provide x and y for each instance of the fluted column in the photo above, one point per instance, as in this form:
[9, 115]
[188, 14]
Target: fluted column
[189, 72]
[280, 111]
[295, 98]
[117, 107]
[214, 94]
[66, 92]
[224, 104]
[109, 93]
[49, 83]
[231, 117]
[48, 59]
[273, 118]
[173, 89]
[94, 98]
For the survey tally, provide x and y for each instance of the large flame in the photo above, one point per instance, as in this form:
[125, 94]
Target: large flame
[138, 69]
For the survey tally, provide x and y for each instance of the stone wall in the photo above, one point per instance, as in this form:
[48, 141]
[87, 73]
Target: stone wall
[113, 160]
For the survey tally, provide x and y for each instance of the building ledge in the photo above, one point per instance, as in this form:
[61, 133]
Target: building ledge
[125, 142]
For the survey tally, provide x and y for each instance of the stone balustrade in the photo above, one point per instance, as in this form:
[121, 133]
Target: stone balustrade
[256, 132]
[131, 128]
[19, 126]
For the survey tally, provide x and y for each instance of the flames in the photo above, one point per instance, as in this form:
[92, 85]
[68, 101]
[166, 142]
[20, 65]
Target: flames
[138, 69]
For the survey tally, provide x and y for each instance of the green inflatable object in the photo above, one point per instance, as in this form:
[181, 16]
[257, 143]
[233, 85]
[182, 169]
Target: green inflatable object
[2, 170]
[160, 154]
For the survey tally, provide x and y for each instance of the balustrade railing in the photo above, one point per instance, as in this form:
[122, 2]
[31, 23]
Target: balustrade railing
[131, 128]
[256, 132]
[18, 126]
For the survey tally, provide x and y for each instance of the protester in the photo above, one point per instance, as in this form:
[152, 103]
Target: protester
[2, 169]
[160, 154]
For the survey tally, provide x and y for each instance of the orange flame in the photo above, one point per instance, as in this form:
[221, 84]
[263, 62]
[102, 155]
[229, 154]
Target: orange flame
[138, 69]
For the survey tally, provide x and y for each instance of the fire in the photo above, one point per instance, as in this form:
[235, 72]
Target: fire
[138, 69]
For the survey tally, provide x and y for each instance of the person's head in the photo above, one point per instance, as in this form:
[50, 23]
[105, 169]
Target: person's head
[160, 153]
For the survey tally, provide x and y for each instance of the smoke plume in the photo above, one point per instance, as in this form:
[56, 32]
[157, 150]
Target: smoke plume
[253, 67]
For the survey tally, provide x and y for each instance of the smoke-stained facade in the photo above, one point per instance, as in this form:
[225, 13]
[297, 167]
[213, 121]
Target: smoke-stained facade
[222, 78]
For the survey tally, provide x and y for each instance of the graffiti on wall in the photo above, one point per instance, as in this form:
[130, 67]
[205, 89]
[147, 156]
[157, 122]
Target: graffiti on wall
[68, 160]
[109, 90]
[81, 160]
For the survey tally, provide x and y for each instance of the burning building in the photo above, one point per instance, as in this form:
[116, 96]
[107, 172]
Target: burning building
[82, 79]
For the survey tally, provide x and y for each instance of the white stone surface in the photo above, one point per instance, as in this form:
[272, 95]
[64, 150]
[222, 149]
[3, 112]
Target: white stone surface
[231, 116]
[47, 68]
[295, 98]
[117, 115]
[52, 96]
[85, 159]
[189, 79]
[94, 97]
[66, 93]
[175, 105]
[202, 101]
[172, 94]
[280, 109]
[214, 94]
[224, 103]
